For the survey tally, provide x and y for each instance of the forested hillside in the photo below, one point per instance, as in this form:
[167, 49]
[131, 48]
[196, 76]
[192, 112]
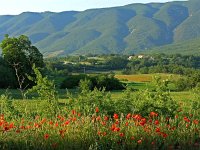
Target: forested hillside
[126, 29]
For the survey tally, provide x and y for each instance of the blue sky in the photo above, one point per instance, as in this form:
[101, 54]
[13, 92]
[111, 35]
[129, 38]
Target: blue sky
[19, 6]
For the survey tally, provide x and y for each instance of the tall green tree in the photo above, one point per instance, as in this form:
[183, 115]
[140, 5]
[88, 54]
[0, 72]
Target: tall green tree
[20, 54]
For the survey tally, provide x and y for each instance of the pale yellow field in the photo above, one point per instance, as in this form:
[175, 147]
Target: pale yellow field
[145, 77]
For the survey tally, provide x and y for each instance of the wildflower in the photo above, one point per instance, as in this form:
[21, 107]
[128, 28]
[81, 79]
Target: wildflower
[153, 114]
[67, 122]
[139, 141]
[74, 119]
[186, 119]
[79, 114]
[23, 127]
[11, 125]
[128, 116]
[150, 121]
[164, 135]
[121, 134]
[116, 122]
[73, 112]
[104, 133]
[56, 124]
[115, 116]
[28, 127]
[17, 131]
[62, 133]
[43, 121]
[50, 122]
[6, 128]
[97, 110]
[196, 121]
[142, 122]
[98, 118]
[116, 129]
[36, 125]
[103, 123]
[59, 117]
[99, 133]
[132, 137]
[106, 118]
[46, 136]
[156, 122]
[137, 117]
[157, 129]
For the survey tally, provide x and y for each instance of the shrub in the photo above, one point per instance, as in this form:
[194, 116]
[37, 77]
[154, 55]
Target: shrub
[99, 81]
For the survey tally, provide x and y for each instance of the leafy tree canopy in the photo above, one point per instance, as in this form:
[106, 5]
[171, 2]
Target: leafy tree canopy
[20, 54]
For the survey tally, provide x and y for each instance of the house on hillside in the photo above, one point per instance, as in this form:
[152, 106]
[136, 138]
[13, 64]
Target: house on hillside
[141, 56]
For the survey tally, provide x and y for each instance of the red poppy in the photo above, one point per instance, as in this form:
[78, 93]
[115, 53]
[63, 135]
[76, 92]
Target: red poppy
[103, 123]
[128, 116]
[121, 134]
[132, 138]
[97, 110]
[115, 116]
[11, 125]
[143, 121]
[73, 112]
[156, 122]
[153, 114]
[104, 133]
[157, 129]
[196, 121]
[106, 118]
[67, 122]
[186, 119]
[46, 136]
[98, 118]
[137, 117]
[139, 141]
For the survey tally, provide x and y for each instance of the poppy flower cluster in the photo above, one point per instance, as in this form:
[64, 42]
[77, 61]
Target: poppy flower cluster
[117, 131]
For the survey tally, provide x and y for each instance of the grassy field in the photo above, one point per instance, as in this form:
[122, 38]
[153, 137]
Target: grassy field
[96, 123]
[145, 77]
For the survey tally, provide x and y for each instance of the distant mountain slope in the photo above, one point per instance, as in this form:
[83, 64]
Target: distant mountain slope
[186, 48]
[127, 29]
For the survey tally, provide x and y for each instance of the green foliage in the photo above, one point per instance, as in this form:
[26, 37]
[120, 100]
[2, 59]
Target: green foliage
[44, 87]
[159, 101]
[19, 50]
[98, 81]
[7, 76]
[196, 102]
[7, 107]
[191, 80]
[19, 53]
[72, 81]
[162, 63]
[87, 100]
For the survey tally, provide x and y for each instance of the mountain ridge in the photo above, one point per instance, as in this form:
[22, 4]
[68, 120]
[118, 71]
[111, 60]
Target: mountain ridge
[124, 29]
